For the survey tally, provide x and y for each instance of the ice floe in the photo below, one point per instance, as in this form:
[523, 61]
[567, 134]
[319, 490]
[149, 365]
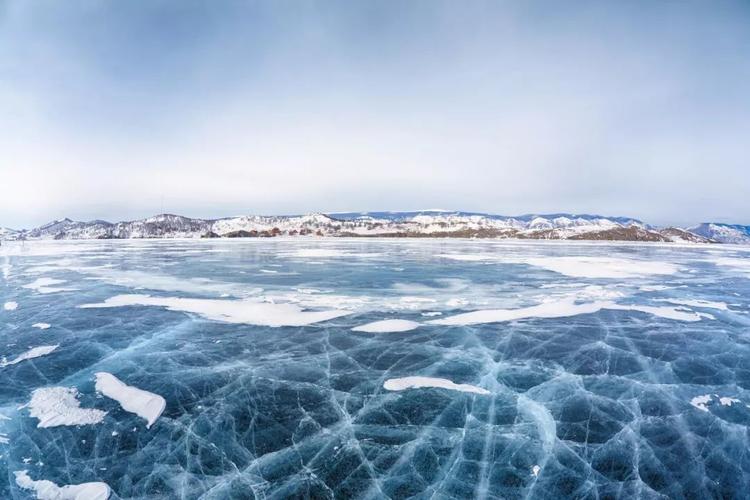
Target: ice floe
[47, 490]
[145, 404]
[387, 326]
[246, 311]
[55, 406]
[41, 326]
[10, 306]
[401, 384]
[32, 353]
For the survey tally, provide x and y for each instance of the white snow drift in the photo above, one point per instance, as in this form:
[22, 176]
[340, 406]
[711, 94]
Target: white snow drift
[147, 405]
[47, 490]
[401, 384]
[248, 311]
[388, 326]
[32, 353]
[55, 406]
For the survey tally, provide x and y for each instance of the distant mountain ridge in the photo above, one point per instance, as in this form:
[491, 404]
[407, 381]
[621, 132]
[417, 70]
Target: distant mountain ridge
[725, 233]
[414, 224]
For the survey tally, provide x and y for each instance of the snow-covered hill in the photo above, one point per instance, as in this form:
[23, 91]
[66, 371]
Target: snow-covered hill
[429, 223]
[724, 233]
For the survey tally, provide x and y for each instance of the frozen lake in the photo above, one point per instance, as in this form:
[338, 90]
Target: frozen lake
[339, 368]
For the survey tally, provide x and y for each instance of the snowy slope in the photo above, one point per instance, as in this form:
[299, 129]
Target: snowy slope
[426, 223]
[724, 233]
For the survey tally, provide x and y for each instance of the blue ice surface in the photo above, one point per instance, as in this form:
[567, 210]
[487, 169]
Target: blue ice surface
[599, 404]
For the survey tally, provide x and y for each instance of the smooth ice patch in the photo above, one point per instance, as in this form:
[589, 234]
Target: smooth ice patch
[147, 405]
[55, 406]
[247, 311]
[47, 490]
[401, 384]
[10, 306]
[32, 353]
[388, 326]
[602, 267]
[41, 326]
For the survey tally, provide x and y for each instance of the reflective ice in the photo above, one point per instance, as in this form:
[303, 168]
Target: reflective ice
[337, 368]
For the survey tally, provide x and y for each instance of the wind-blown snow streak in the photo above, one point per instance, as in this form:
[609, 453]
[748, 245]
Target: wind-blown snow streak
[388, 326]
[146, 405]
[558, 309]
[55, 406]
[401, 384]
[602, 267]
[46, 285]
[578, 267]
[706, 304]
[32, 353]
[247, 311]
[47, 490]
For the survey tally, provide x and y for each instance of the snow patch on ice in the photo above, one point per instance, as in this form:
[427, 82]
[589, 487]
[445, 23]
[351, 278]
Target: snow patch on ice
[401, 384]
[707, 304]
[145, 404]
[46, 285]
[55, 406]
[467, 257]
[247, 311]
[558, 309]
[701, 402]
[727, 401]
[32, 353]
[387, 326]
[47, 490]
[602, 267]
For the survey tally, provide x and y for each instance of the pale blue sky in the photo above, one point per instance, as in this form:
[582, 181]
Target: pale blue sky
[119, 110]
